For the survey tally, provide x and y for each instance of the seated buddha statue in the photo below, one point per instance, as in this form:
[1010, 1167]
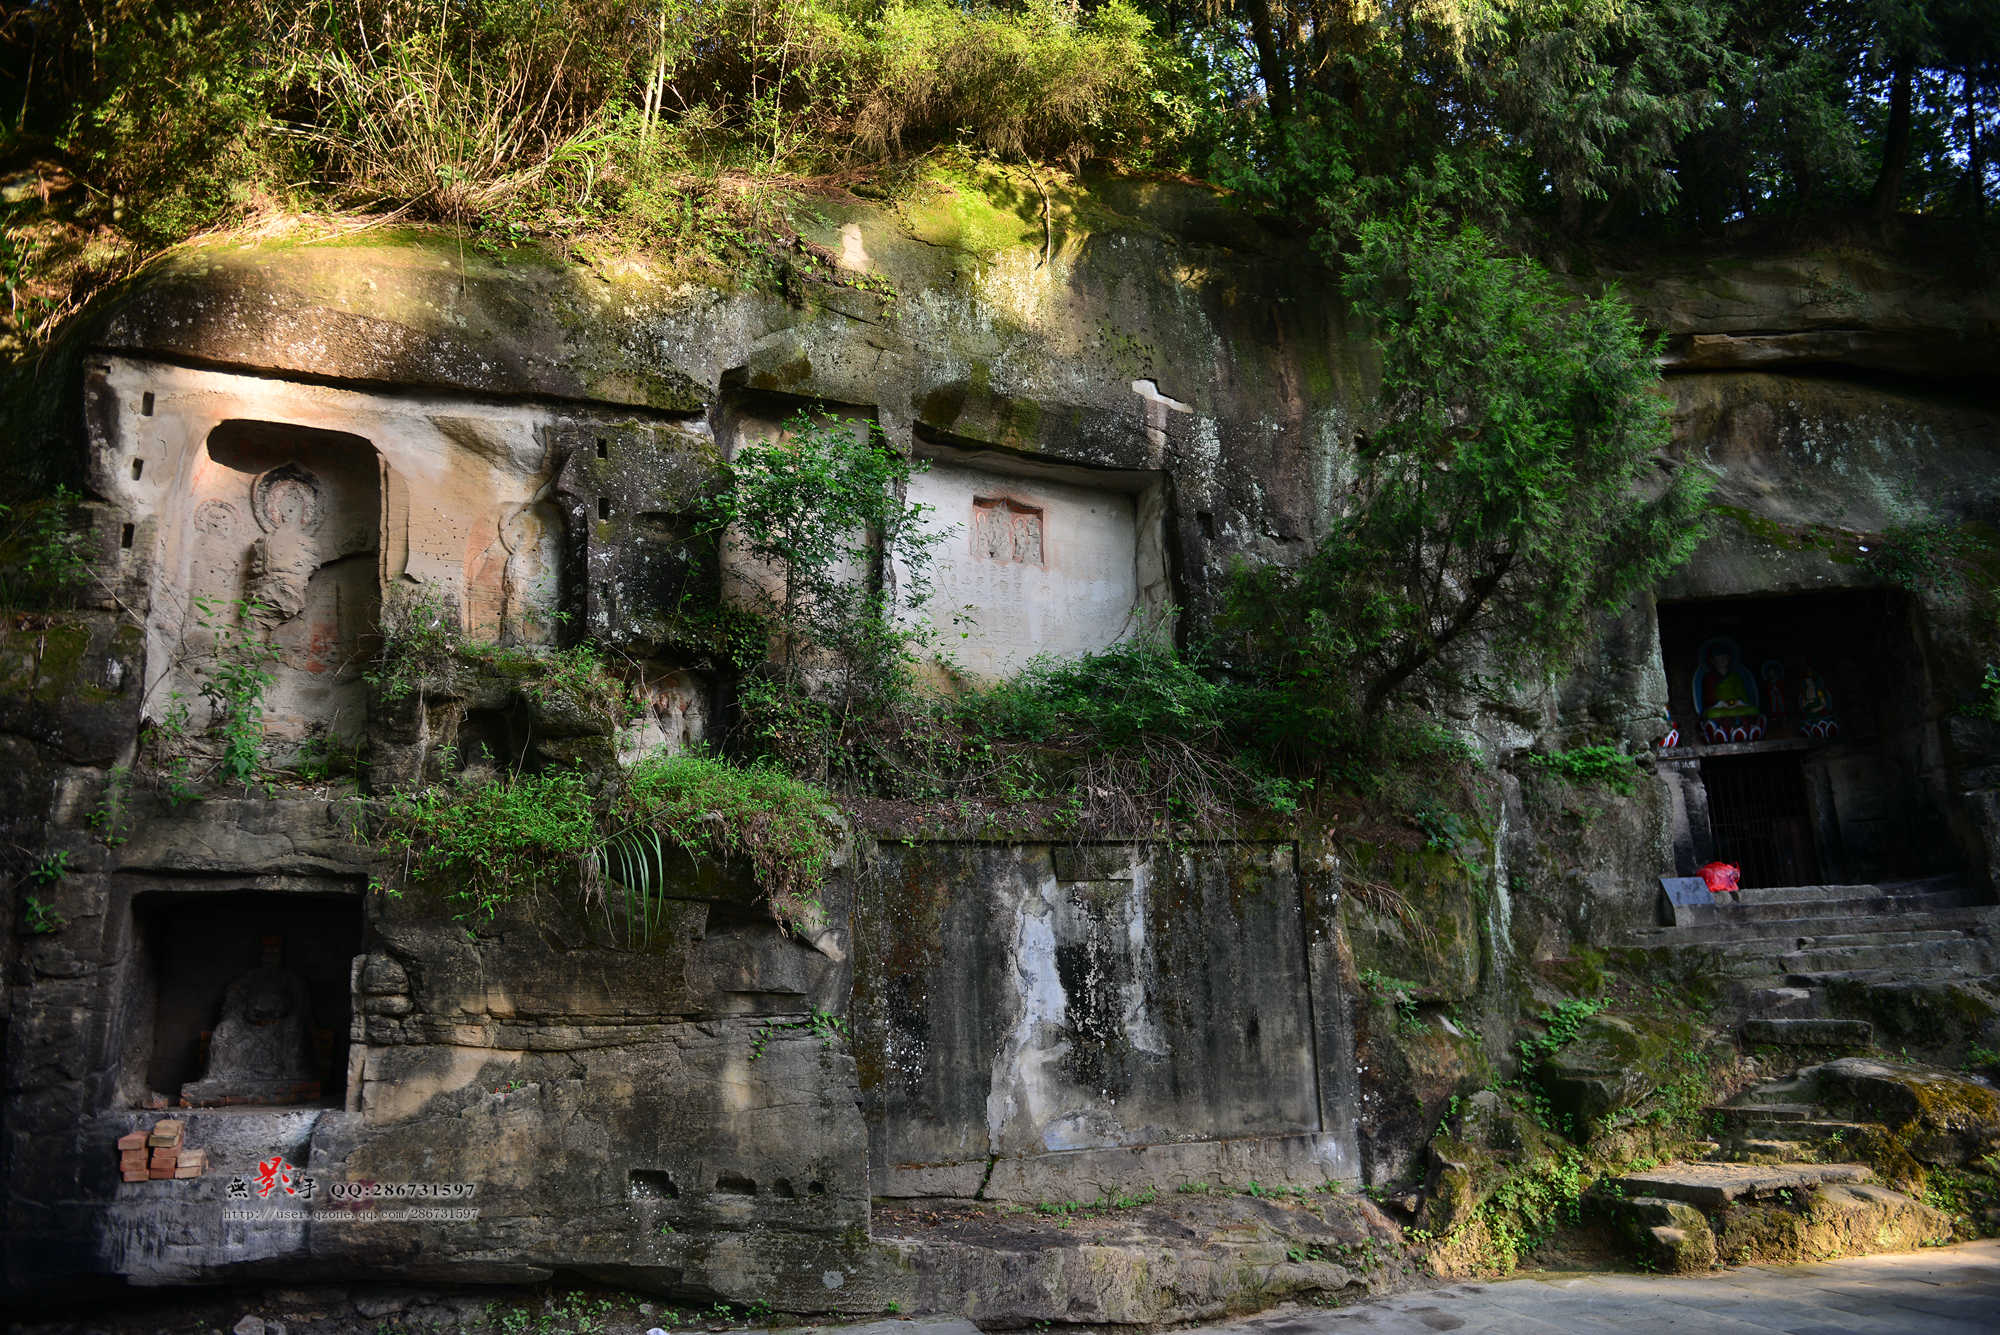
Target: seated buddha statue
[1816, 707]
[261, 1048]
[1726, 697]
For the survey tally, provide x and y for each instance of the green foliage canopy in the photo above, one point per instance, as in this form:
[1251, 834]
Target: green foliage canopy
[1518, 481]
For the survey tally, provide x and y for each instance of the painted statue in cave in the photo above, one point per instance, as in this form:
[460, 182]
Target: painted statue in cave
[1816, 707]
[1725, 696]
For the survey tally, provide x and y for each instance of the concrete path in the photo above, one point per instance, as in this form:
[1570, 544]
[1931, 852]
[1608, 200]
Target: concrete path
[1941, 1291]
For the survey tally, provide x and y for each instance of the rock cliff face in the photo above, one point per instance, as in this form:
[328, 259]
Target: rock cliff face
[1120, 396]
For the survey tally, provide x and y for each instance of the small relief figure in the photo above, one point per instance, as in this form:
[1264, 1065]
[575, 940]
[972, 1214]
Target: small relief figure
[1816, 707]
[215, 518]
[1004, 530]
[286, 502]
[261, 1049]
[1724, 695]
[527, 577]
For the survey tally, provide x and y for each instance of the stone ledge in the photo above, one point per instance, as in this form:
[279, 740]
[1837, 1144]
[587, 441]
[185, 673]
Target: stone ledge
[1710, 1185]
[1309, 1160]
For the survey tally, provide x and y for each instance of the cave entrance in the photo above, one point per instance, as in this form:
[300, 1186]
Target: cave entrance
[1807, 746]
[241, 998]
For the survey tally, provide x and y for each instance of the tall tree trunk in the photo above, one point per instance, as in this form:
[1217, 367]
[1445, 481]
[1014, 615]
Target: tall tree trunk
[1896, 144]
[1972, 186]
[1270, 61]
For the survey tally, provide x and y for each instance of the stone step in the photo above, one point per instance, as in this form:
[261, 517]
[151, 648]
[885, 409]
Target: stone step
[1732, 1113]
[1820, 979]
[1974, 921]
[1709, 1186]
[1815, 1132]
[1748, 919]
[1835, 940]
[1818, 1033]
[1739, 961]
[1799, 1087]
[1911, 959]
[1781, 1002]
[1812, 900]
[1761, 1150]
[1917, 956]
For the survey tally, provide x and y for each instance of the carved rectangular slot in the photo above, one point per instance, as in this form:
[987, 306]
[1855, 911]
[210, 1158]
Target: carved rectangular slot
[138, 467]
[1006, 530]
[603, 448]
[146, 404]
[125, 538]
[604, 507]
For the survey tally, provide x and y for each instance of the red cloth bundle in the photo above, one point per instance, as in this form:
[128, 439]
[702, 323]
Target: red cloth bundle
[1721, 878]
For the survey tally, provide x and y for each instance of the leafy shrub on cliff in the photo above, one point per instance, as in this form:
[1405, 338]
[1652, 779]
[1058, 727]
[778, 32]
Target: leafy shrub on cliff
[1115, 696]
[1030, 82]
[788, 830]
[1518, 485]
[488, 843]
[1596, 762]
[820, 511]
[485, 843]
[491, 110]
[44, 562]
[1134, 737]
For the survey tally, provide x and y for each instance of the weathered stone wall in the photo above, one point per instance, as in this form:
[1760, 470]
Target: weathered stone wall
[1028, 1020]
[1048, 1022]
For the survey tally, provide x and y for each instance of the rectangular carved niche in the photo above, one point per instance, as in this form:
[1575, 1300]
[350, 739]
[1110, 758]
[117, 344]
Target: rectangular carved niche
[1036, 557]
[240, 997]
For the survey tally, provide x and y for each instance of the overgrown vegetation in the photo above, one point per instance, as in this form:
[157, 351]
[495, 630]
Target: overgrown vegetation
[786, 829]
[484, 837]
[420, 642]
[1526, 1171]
[676, 125]
[44, 557]
[614, 838]
[659, 123]
[238, 673]
[1517, 487]
[1595, 762]
[844, 559]
[488, 843]
[1507, 496]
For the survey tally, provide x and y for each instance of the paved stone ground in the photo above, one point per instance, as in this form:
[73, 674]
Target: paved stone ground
[1941, 1291]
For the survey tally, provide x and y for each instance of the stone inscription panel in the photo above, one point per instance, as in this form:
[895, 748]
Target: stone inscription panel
[1027, 566]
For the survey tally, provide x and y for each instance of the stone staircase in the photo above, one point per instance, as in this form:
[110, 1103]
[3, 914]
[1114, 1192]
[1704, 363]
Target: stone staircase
[1824, 967]
[1818, 965]
[1783, 1182]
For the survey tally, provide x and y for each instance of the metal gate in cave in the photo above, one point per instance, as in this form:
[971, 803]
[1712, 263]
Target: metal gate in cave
[1758, 809]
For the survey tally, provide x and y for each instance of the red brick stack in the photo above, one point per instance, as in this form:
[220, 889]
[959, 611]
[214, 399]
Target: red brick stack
[132, 1157]
[157, 1155]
